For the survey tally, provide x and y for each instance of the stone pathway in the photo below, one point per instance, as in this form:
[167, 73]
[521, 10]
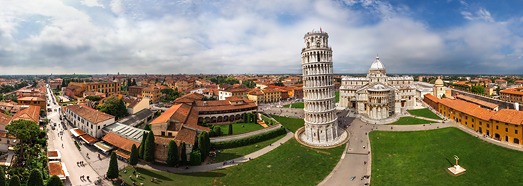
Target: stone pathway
[220, 165]
[262, 123]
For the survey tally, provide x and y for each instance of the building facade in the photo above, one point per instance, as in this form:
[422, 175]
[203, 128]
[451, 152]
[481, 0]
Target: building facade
[321, 121]
[87, 119]
[514, 95]
[377, 96]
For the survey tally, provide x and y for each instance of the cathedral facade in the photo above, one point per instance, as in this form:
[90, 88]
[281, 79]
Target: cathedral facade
[377, 96]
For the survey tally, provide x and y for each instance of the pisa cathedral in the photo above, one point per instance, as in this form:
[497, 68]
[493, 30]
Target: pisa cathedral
[377, 96]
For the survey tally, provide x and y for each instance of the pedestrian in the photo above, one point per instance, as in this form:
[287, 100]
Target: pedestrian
[88, 176]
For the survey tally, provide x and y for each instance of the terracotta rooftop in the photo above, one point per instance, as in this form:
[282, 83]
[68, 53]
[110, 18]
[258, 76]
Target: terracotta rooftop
[468, 108]
[222, 105]
[119, 141]
[432, 98]
[189, 98]
[90, 114]
[511, 91]
[4, 120]
[31, 99]
[31, 113]
[88, 138]
[52, 153]
[491, 106]
[509, 116]
[186, 135]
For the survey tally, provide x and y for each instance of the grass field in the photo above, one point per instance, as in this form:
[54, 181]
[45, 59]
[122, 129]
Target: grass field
[292, 124]
[425, 112]
[290, 164]
[229, 154]
[422, 158]
[337, 96]
[239, 128]
[294, 105]
[411, 121]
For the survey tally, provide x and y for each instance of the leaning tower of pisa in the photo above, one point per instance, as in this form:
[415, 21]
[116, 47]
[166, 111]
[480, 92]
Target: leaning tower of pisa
[321, 122]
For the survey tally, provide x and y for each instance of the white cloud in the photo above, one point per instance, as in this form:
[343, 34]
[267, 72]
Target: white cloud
[92, 3]
[242, 37]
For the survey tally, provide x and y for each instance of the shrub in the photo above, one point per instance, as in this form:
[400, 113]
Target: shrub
[77, 145]
[249, 140]
[196, 158]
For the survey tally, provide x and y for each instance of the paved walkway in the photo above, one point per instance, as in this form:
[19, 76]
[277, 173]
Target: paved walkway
[220, 165]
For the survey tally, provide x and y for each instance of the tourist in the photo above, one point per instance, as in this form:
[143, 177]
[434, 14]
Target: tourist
[87, 177]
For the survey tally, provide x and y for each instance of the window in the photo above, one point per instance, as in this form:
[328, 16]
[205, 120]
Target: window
[163, 133]
[497, 127]
[516, 131]
[506, 129]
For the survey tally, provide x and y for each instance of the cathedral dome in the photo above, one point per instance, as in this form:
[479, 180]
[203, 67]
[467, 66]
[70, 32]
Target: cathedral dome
[377, 65]
[439, 82]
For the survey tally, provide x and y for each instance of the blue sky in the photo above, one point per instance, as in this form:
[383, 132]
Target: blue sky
[197, 36]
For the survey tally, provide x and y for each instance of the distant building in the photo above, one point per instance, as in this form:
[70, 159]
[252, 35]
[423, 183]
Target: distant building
[135, 105]
[76, 89]
[36, 101]
[135, 91]
[238, 91]
[514, 95]
[152, 93]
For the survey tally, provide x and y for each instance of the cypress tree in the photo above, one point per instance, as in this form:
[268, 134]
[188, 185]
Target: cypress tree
[55, 181]
[172, 154]
[218, 131]
[112, 171]
[2, 176]
[142, 145]
[207, 140]
[15, 181]
[147, 127]
[230, 129]
[148, 154]
[183, 154]
[133, 159]
[35, 178]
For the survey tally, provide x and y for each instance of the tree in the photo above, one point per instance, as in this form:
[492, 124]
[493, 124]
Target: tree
[142, 145]
[24, 130]
[183, 154]
[115, 107]
[218, 131]
[2, 176]
[478, 89]
[148, 154]
[14, 181]
[497, 90]
[172, 154]
[147, 127]
[204, 144]
[35, 178]
[93, 98]
[112, 171]
[230, 129]
[196, 158]
[133, 159]
[55, 181]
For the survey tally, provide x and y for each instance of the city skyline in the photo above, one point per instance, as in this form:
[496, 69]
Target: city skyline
[237, 37]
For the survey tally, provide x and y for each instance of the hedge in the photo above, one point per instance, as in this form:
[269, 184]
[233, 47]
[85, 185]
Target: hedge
[249, 140]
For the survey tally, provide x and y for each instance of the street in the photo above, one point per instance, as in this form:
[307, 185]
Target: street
[65, 144]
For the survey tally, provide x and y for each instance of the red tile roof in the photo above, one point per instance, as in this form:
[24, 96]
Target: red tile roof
[31, 113]
[468, 108]
[55, 168]
[4, 120]
[90, 114]
[509, 116]
[119, 141]
[186, 135]
[477, 101]
[432, 98]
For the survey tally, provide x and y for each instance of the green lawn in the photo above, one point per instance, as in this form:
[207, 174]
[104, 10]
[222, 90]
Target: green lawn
[337, 96]
[292, 124]
[411, 121]
[422, 158]
[294, 105]
[290, 164]
[229, 154]
[239, 128]
[425, 112]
